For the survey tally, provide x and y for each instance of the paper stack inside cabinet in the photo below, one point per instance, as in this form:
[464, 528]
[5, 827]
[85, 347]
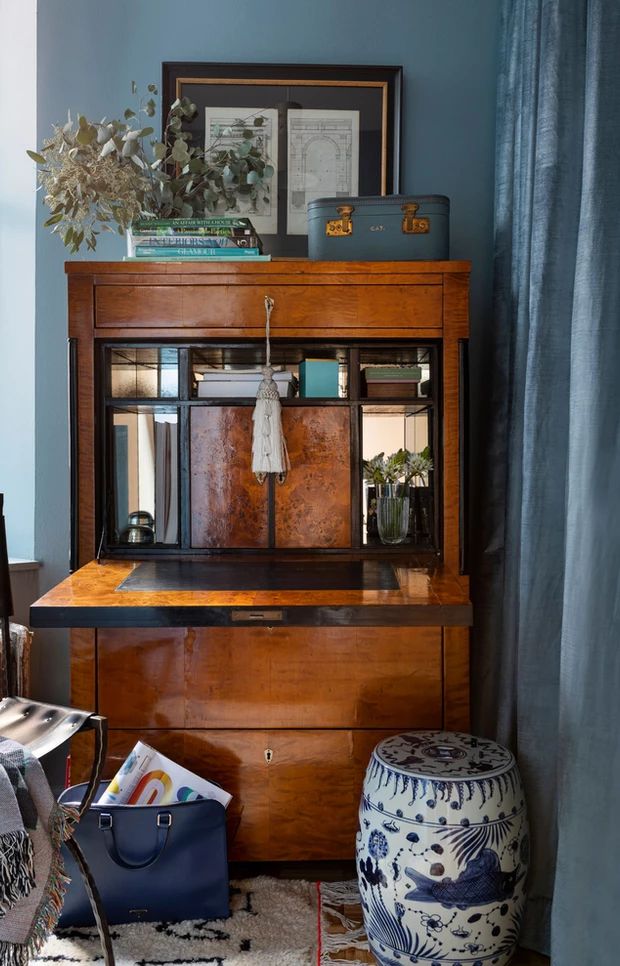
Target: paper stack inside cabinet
[220, 383]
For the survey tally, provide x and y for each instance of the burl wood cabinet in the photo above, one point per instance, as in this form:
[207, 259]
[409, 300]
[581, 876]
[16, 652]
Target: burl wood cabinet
[281, 705]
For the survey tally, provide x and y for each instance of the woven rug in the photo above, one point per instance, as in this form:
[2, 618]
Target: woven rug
[274, 922]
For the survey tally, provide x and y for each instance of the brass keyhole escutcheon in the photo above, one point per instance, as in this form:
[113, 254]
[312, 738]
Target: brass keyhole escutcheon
[268, 755]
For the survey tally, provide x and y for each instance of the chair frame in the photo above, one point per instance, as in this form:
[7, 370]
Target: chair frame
[94, 722]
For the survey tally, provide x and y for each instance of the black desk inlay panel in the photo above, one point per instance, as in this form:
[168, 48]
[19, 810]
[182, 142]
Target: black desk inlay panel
[160, 575]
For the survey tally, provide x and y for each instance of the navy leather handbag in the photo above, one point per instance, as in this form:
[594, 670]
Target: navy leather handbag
[150, 862]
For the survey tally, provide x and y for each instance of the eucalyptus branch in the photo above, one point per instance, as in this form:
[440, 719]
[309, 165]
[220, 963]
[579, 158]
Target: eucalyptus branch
[102, 176]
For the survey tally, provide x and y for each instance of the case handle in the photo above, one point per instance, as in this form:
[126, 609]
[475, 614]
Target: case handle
[106, 825]
[343, 226]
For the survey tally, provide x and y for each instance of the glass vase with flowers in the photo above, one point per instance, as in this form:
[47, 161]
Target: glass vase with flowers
[393, 476]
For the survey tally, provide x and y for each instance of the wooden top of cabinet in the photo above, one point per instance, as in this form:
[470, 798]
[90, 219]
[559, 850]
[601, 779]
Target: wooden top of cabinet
[423, 596]
[277, 266]
[226, 299]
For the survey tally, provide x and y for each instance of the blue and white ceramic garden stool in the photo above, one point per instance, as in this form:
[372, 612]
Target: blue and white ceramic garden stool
[442, 851]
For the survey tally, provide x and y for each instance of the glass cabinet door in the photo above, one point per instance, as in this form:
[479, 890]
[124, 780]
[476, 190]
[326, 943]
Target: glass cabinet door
[148, 373]
[399, 412]
[145, 497]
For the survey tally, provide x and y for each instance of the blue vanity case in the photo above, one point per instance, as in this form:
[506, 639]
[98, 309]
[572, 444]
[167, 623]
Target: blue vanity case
[379, 228]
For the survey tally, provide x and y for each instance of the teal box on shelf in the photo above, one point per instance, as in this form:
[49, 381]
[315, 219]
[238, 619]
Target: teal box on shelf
[318, 377]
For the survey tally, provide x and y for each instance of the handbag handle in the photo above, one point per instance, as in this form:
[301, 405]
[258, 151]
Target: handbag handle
[106, 825]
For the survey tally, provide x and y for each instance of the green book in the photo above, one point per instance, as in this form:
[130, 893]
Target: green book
[203, 231]
[392, 373]
[184, 257]
[189, 251]
[146, 225]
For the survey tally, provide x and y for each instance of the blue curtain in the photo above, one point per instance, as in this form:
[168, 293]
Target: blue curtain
[546, 656]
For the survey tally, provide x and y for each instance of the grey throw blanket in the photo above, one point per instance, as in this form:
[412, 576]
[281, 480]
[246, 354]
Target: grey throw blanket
[32, 881]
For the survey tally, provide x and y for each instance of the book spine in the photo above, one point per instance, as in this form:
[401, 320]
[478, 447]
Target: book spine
[197, 231]
[186, 251]
[196, 241]
[178, 224]
[181, 256]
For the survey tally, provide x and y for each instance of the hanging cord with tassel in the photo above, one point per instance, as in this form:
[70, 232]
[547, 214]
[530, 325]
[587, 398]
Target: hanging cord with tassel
[269, 453]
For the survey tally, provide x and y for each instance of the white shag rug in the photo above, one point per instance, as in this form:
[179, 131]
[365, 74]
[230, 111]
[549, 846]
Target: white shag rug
[274, 922]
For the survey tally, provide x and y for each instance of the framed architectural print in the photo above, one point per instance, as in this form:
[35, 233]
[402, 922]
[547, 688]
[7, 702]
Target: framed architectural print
[227, 127]
[322, 131]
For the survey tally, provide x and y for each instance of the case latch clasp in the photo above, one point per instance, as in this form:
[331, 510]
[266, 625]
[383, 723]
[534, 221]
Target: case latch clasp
[340, 227]
[412, 225]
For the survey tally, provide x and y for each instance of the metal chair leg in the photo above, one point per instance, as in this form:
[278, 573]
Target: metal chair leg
[100, 726]
[5, 656]
[94, 898]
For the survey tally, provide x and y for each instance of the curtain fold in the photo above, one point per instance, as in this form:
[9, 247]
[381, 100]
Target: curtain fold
[546, 665]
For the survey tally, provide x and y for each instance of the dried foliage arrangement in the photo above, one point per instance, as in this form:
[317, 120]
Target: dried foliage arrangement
[102, 175]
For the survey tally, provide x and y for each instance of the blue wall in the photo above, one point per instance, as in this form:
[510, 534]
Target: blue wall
[89, 52]
[18, 217]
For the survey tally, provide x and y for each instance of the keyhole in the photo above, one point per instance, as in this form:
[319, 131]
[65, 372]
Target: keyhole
[268, 755]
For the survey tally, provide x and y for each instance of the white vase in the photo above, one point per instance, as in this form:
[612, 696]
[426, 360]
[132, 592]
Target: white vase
[442, 851]
[131, 247]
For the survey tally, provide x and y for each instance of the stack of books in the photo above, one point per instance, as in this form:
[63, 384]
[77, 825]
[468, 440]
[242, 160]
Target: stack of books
[223, 238]
[392, 382]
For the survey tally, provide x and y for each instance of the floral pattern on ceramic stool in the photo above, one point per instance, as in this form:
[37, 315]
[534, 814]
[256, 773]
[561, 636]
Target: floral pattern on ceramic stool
[442, 850]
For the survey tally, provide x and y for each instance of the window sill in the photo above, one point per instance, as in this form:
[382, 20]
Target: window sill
[17, 564]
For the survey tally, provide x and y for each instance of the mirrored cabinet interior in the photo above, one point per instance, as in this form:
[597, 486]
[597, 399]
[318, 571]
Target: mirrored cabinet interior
[183, 412]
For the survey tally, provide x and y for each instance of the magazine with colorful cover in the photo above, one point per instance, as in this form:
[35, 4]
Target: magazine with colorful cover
[147, 777]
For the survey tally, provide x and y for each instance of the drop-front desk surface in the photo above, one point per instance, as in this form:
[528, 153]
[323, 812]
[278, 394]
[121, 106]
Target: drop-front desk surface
[227, 591]
[275, 678]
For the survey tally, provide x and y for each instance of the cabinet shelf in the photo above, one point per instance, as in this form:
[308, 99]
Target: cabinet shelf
[122, 402]
[395, 405]
[371, 405]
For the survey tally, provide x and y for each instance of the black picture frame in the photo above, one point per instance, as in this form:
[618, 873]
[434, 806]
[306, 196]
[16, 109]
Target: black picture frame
[373, 91]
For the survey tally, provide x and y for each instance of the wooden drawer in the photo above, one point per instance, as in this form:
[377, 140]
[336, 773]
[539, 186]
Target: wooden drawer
[222, 306]
[302, 805]
[283, 677]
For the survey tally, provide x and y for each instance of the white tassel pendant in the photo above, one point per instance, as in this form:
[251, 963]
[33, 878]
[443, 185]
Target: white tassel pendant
[269, 453]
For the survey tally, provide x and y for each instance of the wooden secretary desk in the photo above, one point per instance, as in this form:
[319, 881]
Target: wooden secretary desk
[261, 634]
